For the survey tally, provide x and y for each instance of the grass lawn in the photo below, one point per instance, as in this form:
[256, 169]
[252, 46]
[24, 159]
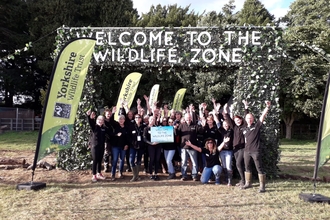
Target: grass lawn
[168, 199]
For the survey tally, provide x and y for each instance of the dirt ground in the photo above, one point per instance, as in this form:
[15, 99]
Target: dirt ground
[20, 174]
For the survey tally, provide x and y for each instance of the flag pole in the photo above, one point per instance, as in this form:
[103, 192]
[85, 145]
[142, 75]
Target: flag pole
[317, 197]
[69, 73]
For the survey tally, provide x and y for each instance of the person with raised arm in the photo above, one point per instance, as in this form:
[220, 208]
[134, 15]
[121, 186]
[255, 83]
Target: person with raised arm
[237, 123]
[121, 141]
[97, 141]
[212, 160]
[252, 148]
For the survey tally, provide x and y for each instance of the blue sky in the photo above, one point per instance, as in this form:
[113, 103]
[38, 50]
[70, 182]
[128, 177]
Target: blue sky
[276, 7]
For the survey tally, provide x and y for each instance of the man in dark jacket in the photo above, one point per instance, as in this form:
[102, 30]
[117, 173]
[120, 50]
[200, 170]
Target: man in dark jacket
[188, 132]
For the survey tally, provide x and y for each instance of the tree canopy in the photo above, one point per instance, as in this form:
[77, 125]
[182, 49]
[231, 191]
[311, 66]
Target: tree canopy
[307, 59]
[254, 13]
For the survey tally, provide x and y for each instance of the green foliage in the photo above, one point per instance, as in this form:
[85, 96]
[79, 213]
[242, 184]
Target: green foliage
[78, 156]
[307, 50]
[226, 17]
[254, 13]
[168, 16]
[257, 81]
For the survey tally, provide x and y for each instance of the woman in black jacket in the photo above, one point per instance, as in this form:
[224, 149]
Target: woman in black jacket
[120, 142]
[97, 140]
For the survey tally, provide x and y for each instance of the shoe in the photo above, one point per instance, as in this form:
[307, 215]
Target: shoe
[129, 170]
[152, 177]
[112, 178]
[100, 176]
[184, 178]
[94, 178]
[156, 177]
[171, 176]
[195, 179]
[240, 184]
[120, 176]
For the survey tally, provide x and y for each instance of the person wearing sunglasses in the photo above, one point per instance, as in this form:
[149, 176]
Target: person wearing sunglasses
[212, 165]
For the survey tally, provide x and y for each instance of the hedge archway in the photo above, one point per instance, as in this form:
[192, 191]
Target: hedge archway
[255, 52]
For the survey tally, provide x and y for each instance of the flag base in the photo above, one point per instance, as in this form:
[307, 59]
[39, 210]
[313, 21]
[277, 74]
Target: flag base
[309, 197]
[31, 186]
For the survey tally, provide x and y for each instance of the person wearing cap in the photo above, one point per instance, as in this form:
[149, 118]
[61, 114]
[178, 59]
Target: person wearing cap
[252, 148]
[211, 158]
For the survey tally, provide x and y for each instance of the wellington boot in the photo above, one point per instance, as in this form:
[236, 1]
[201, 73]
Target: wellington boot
[134, 178]
[262, 181]
[248, 179]
[137, 172]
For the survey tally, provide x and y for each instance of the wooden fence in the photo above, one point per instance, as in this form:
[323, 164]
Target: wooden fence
[18, 119]
[21, 124]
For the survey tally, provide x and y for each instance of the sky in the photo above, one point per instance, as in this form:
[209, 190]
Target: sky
[278, 8]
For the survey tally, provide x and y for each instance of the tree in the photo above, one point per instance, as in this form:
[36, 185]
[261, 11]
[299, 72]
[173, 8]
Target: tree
[228, 12]
[13, 36]
[164, 16]
[168, 16]
[308, 61]
[254, 13]
[101, 85]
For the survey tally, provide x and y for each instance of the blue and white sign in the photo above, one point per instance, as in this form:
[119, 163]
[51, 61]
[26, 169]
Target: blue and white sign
[164, 134]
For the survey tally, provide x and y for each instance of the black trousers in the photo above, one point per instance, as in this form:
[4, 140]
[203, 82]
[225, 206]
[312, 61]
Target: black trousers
[239, 158]
[97, 155]
[256, 156]
[154, 155]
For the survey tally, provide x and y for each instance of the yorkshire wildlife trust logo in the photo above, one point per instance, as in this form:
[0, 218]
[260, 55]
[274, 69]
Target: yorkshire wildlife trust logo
[62, 110]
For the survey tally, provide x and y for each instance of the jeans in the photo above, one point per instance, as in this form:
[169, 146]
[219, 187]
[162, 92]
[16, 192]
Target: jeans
[169, 154]
[135, 153]
[208, 171]
[257, 161]
[116, 153]
[226, 157]
[193, 157]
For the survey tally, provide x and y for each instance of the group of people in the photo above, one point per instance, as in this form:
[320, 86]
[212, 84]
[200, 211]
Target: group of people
[205, 141]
